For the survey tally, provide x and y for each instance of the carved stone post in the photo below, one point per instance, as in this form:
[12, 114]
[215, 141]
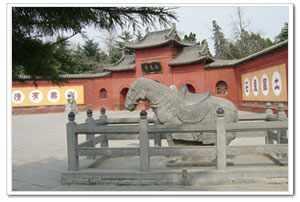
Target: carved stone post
[72, 142]
[91, 121]
[268, 108]
[103, 120]
[221, 140]
[157, 136]
[144, 142]
[281, 117]
[268, 111]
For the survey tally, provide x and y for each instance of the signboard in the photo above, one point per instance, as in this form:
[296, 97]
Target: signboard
[151, 68]
[265, 85]
[42, 96]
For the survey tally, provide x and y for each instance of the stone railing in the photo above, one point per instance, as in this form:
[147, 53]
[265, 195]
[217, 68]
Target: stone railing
[102, 130]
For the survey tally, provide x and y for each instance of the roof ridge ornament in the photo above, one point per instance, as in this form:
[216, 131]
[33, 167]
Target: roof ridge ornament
[172, 33]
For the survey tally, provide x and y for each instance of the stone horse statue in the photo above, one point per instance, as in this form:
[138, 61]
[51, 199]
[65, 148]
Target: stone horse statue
[172, 106]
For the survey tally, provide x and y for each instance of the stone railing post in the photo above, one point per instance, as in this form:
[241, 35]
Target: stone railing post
[221, 140]
[89, 120]
[144, 142]
[72, 142]
[157, 136]
[268, 112]
[281, 116]
[103, 120]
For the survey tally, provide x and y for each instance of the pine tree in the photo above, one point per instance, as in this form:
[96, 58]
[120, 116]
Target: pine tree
[139, 35]
[33, 56]
[221, 44]
[283, 35]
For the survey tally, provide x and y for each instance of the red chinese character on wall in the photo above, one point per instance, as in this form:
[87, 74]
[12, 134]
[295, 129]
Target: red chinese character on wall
[255, 85]
[247, 87]
[265, 86]
[17, 96]
[35, 95]
[53, 95]
[277, 87]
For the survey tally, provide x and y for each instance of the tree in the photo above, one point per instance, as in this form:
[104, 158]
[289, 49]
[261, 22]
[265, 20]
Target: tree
[139, 35]
[125, 37]
[254, 43]
[239, 27]
[64, 57]
[91, 50]
[283, 35]
[32, 26]
[221, 44]
[250, 43]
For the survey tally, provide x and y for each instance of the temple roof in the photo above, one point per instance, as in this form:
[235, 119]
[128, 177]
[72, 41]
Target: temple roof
[127, 62]
[158, 38]
[191, 54]
[226, 63]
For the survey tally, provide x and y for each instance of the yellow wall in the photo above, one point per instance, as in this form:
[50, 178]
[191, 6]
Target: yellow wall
[270, 73]
[31, 99]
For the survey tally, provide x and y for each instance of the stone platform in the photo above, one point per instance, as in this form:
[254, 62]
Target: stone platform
[38, 157]
[125, 171]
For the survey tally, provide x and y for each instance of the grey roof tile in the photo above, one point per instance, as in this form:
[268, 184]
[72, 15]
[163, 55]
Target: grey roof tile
[127, 62]
[158, 38]
[224, 63]
[192, 54]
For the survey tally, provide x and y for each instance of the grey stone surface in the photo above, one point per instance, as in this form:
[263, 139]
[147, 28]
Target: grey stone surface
[71, 106]
[39, 155]
[172, 106]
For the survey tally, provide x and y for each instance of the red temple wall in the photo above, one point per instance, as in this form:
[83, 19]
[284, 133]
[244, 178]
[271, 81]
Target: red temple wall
[272, 59]
[197, 75]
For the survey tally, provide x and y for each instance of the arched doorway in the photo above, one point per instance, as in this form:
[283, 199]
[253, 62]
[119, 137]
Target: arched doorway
[191, 88]
[123, 95]
[221, 88]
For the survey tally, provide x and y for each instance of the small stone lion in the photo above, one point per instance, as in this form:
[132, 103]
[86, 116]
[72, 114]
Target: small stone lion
[71, 106]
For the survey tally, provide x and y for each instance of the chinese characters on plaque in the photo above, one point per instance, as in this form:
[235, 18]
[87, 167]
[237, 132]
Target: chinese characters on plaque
[151, 68]
[45, 96]
[268, 84]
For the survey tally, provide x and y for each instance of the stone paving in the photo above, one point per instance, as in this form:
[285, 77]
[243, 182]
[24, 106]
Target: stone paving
[39, 156]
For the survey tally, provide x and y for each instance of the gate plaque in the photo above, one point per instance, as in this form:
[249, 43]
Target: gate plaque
[151, 68]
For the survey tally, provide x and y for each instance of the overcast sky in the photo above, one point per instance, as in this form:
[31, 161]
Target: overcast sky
[267, 20]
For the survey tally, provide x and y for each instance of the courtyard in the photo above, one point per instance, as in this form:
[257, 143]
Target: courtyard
[39, 156]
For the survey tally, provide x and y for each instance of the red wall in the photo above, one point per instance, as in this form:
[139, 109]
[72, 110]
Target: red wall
[192, 74]
[197, 75]
[227, 74]
[275, 58]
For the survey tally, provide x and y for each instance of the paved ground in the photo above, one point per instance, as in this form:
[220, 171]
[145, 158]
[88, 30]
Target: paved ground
[39, 156]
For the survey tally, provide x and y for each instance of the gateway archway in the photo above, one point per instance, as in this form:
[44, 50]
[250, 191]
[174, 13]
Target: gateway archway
[123, 95]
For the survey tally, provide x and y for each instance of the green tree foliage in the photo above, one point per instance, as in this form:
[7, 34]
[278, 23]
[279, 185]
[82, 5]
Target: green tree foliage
[64, 57]
[92, 50]
[283, 35]
[34, 55]
[247, 44]
[221, 44]
[139, 35]
[125, 37]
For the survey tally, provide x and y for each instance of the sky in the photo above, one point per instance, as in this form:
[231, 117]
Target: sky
[267, 20]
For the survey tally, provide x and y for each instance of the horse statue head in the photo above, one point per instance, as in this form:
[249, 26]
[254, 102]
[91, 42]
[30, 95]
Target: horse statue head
[134, 95]
[146, 89]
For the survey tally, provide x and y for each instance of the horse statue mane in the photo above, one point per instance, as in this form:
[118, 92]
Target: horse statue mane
[172, 106]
